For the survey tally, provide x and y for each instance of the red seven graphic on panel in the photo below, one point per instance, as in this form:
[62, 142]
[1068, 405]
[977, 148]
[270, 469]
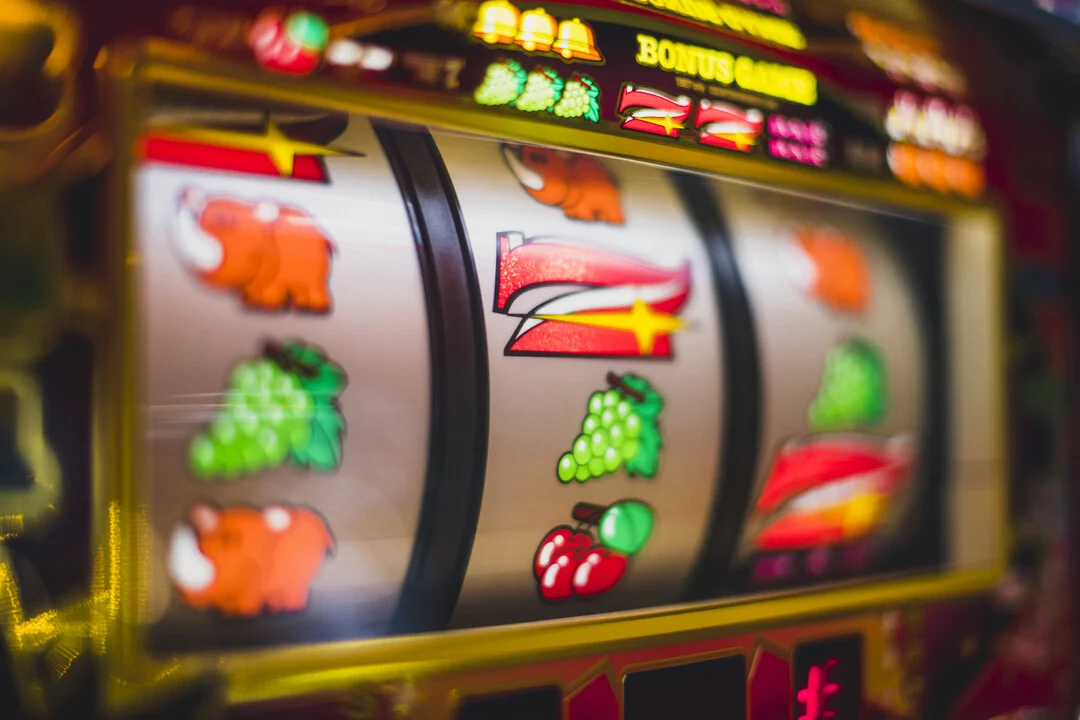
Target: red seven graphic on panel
[728, 126]
[616, 305]
[651, 111]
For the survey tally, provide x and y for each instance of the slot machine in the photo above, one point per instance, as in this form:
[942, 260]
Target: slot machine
[587, 361]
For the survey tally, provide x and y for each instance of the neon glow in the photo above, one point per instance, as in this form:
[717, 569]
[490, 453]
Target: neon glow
[919, 167]
[732, 18]
[292, 44]
[622, 306]
[497, 22]
[651, 111]
[807, 132]
[728, 126]
[906, 57]
[817, 693]
[535, 31]
[347, 53]
[796, 152]
[542, 90]
[774, 567]
[935, 124]
[782, 81]
[801, 141]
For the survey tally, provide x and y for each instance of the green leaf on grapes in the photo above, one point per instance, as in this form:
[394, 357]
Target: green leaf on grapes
[323, 450]
[647, 406]
[651, 404]
[328, 378]
[593, 113]
[647, 459]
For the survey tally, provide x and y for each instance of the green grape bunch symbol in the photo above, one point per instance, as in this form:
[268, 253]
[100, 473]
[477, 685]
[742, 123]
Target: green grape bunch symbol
[543, 88]
[279, 408]
[580, 98]
[507, 83]
[503, 82]
[853, 390]
[621, 429]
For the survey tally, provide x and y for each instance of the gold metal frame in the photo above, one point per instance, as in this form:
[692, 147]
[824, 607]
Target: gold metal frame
[133, 677]
[636, 667]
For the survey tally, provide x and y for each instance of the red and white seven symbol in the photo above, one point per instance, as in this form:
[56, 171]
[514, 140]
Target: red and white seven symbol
[615, 305]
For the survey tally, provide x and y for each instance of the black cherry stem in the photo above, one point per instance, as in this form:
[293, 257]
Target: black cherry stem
[616, 381]
[588, 513]
[273, 350]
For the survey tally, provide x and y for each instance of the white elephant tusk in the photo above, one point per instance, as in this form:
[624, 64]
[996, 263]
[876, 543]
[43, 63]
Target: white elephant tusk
[527, 177]
[188, 567]
[196, 248]
[800, 267]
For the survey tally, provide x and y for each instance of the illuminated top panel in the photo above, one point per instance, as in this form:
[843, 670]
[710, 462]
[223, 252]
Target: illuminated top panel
[849, 88]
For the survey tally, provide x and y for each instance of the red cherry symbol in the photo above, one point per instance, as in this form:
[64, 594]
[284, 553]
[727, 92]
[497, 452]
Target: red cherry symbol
[598, 571]
[302, 63]
[275, 50]
[266, 29]
[559, 539]
[557, 578]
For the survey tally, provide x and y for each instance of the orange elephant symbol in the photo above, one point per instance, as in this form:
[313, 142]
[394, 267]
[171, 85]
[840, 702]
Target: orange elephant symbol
[241, 559]
[578, 184]
[275, 257]
[831, 267]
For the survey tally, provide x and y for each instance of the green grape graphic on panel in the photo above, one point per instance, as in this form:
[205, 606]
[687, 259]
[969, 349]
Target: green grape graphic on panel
[580, 98]
[621, 428]
[503, 82]
[506, 82]
[543, 88]
[853, 390]
[279, 408]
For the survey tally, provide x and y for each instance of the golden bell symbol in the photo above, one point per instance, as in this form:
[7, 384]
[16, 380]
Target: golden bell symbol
[497, 22]
[576, 41]
[537, 31]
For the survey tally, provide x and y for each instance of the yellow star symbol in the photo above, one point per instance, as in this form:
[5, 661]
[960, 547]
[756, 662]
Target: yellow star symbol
[743, 141]
[669, 124]
[281, 149]
[645, 323]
